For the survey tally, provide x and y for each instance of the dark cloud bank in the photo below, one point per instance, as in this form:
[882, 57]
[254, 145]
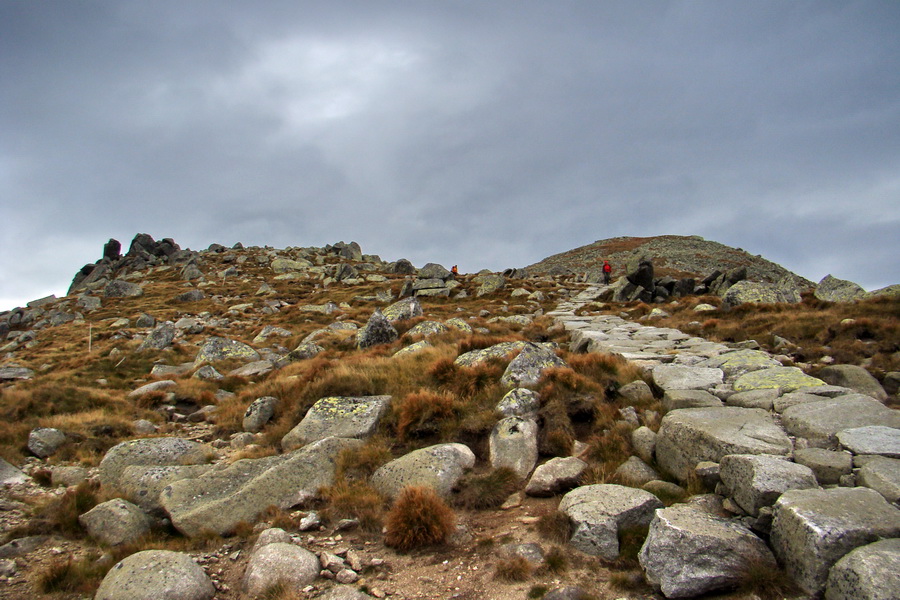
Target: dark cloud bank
[488, 134]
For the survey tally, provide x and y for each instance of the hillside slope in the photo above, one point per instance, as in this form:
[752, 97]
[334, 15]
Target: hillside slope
[674, 255]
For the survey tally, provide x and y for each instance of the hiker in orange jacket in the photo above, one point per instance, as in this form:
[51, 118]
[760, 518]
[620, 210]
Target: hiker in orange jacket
[454, 271]
[607, 270]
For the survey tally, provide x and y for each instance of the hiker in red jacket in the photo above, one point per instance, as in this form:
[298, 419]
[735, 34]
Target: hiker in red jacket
[607, 269]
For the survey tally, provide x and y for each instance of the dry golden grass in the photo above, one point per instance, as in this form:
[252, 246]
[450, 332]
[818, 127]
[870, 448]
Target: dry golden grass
[816, 328]
[422, 414]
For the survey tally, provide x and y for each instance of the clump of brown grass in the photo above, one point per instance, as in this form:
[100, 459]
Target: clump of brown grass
[419, 517]
[60, 514]
[488, 490]
[514, 568]
[152, 400]
[354, 500]
[359, 463]
[612, 445]
[464, 382]
[479, 341]
[71, 576]
[421, 414]
[631, 580]
[556, 561]
[555, 527]
[767, 581]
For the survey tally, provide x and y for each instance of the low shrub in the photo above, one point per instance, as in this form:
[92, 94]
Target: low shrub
[419, 517]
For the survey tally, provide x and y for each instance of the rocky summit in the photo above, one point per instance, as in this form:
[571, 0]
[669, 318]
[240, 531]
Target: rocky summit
[316, 422]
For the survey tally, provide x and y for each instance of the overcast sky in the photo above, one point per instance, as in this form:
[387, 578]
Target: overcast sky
[488, 134]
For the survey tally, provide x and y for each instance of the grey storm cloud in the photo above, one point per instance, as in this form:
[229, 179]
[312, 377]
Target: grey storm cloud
[488, 134]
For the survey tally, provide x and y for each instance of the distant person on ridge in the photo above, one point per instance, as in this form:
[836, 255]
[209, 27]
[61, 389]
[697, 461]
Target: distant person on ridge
[607, 269]
[455, 271]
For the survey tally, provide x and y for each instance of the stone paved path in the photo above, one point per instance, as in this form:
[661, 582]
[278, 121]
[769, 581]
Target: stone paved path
[644, 344]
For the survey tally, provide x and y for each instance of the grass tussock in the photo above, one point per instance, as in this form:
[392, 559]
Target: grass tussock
[631, 580]
[556, 561]
[418, 518]
[422, 414]
[513, 569]
[555, 527]
[60, 514]
[766, 581]
[359, 463]
[486, 491]
[72, 576]
[354, 500]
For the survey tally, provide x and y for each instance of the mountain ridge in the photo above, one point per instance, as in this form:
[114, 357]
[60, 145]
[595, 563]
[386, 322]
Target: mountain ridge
[673, 255]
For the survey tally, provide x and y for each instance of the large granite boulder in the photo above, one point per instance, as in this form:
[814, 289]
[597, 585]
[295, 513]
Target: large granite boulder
[338, 416]
[122, 289]
[15, 373]
[870, 572]
[408, 308]
[160, 338]
[439, 467]
[377, 330]
[489, 284]
[216, 348]
[756, 481]
[283, 266]
[427, 328]
[259, 413]
[598, 512]
[279, 563]
[475, 357]
[813, 529]
[820, 422]
[832, 289]
[9, 474]
[142, 484]
[45, 441]
[854, 377]
[556, 475]
[115, 522]
[689, 552]
[528, 367]
[693, 435]
[639, 272]
[151, 452]
[519, 402]
[220, 499]
[434, 271]
[683, 377]
[155, 574]
[514, 444]
[785, 379]
[755, 292]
